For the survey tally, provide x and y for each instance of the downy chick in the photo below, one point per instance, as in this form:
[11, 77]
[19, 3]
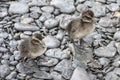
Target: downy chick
[79, 28]
[32, 47]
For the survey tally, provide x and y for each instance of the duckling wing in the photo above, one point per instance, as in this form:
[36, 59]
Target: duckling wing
[24, 48]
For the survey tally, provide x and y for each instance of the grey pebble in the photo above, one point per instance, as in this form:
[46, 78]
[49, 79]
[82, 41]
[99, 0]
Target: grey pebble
[6, 56]
[5, 62]
[117, 35]
[17, 55]
[27, 20]
[11, 75]
[60, 34]
[13, 44]
[64, 19]
[57, 76]
[56, 53]
[22, 69]
[105, 51]
[82, 7]
[66, 70]
[113, 7]
[80, 74]
[104, 61]
[4, 70]
[51, 42]
[34, 15]
[50, 23]
[48, 9]
[17, 7]
[3, 35]
[3, 49]
[99, 10]
[3, 12]
[23, 27]
[45, 16]
[48, 62]
[102, 1]
[65, 6]
[35, 9]
[42, 75]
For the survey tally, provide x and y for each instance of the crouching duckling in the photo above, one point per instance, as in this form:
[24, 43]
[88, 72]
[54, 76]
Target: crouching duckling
[32, 47]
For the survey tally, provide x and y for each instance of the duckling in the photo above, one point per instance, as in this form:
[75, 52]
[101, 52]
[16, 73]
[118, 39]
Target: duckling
[32, 47]
[79, 28]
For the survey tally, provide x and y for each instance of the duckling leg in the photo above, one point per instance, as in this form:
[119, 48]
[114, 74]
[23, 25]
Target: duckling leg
[78, 48]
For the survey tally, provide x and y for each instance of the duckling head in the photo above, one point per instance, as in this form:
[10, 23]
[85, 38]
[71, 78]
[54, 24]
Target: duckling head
[87, 16]
[37, 39]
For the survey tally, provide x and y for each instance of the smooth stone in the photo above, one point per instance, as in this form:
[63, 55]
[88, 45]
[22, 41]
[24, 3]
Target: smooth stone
[24, 36]
[51, 23]
[35, 9]
[51, 42]
[57, 76]
[102, 1]
[113, 75]
[65, 6]
[3, 35]
[39, 3]
[1, 40]
[117, 45]
[82, 7]
[48, 62]
[111, 1]
[56, 53]
[22, 27]
[104, 61]
[118, 2]
[27, 32]
[99, 10]
[45, 16]
[5, 62]
[11, 75]
[3, 49]
[26, 20]
[66, 70]
[79, 1]
[34, 15]
[117, 35]
[48, 9]
[64, 19]
[3, 12]
[13, 44]
[105, 51]
[16, 55]
[4, 70]
[60, 34]
[6, 56]
[113, 7]
[35, 79]
[17, 7]
[42, 75]
[105, 22]
[22, 69]
[80, 74]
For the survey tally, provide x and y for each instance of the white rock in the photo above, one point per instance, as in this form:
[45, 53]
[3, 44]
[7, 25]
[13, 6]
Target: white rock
[23, 27]
[17, 7]
[47, 9]
[80, 74]
[64, 19]
[51, 23]
[117, 35]
[51, 42]
[56, 53]
[105, 51]
[66, 6]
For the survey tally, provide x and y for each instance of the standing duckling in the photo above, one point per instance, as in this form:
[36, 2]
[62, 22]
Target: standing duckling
[79, 28]
[32, 47]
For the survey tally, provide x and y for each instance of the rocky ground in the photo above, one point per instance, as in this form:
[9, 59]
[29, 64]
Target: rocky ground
[20, 19]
